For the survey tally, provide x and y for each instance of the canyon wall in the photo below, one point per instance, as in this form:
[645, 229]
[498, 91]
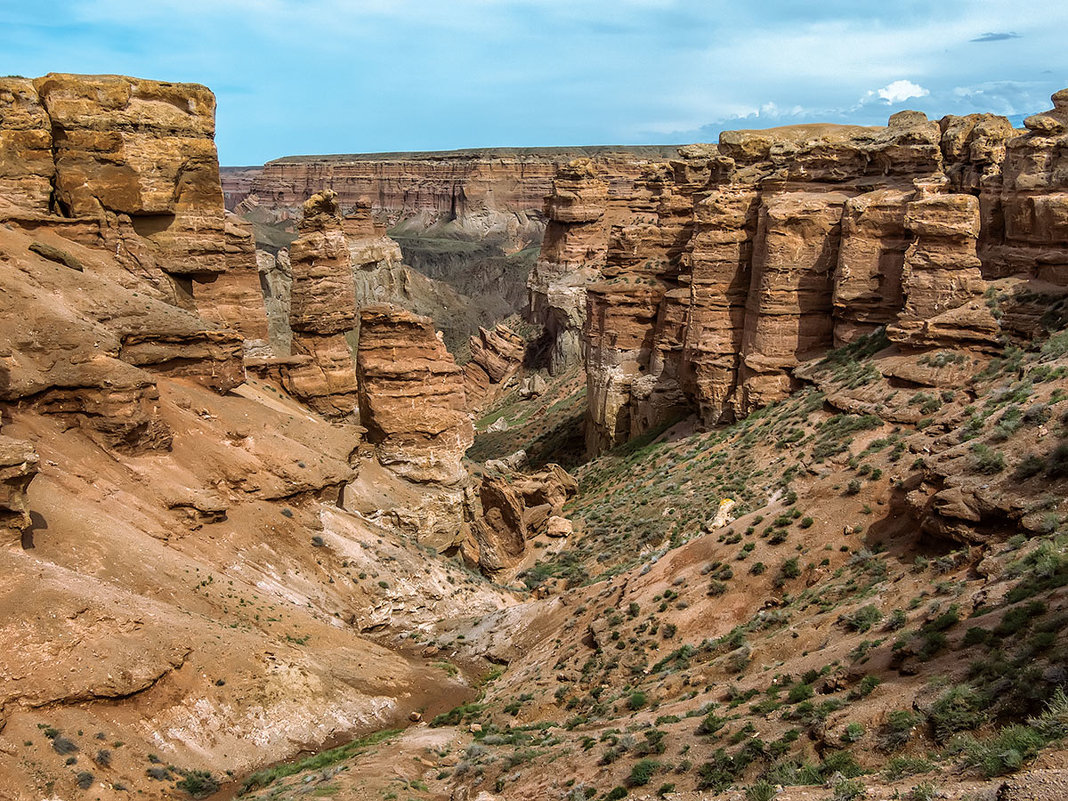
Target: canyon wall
[471, 220]
[484, 186]
[702, 284]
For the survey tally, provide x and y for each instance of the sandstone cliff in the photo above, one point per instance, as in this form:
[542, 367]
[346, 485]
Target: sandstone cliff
[412, 398]
[703, 285]
[130, 164]
[180, 575]
[484, 190]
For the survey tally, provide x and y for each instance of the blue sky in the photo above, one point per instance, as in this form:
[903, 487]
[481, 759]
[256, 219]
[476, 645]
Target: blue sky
[345, 76]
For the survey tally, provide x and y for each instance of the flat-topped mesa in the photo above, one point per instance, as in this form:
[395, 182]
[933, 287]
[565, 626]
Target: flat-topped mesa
[322, 311]
[412, 399]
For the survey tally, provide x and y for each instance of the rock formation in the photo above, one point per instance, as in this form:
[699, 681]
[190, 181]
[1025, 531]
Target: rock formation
[701, 287]
[495, 358]
[491, 193]
[516, 508]
[18, 466]
[322, 310]
[131, 164]
[412, 398]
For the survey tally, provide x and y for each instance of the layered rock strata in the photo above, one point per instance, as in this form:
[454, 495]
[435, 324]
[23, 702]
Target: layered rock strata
[517, 508]
[322, 310]
[487, 193]
[703, 285]
[412, 399]
[131, 165]
[496, 357]
[18, 466]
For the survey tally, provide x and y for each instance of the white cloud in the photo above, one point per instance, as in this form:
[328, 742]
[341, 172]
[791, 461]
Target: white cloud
[900, 91]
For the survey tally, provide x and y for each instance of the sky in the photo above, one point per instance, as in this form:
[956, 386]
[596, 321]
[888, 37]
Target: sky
[355, 76]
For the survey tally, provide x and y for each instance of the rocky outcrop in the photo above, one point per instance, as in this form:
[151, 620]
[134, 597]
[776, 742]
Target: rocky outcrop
[516, 508]
[412, 398]
[83, 346]
[495, 358]
[481, 194]
[26, 164]
[130, 165]
[871, 259]
[1026, 213]
[708, 283]
[787, 316]
[586, 202]
[322, 310]
[942, 282]
[234, 298]
[18, 466]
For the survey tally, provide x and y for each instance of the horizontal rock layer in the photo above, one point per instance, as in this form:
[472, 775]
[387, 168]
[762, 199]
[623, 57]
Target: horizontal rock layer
[703, 283]
[136, 160]
[411, 397]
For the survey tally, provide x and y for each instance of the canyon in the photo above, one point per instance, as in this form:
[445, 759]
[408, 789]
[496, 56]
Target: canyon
[748, 481]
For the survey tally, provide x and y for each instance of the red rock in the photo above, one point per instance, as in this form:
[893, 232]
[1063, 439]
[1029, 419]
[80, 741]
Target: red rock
[322, 310]
[788, 314]
[495, 357]
[412, 398]
[18, 466]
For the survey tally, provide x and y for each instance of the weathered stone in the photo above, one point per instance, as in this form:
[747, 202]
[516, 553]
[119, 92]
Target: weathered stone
[18, 466]
[788, 315]
[26, 165]
[867, 279]
[322, 310]
[495, 357]
[412, 396]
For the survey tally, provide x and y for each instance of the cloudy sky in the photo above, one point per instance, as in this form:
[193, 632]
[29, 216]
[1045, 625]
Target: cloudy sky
[346, 76]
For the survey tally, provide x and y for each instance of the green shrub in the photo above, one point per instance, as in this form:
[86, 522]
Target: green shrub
[864, 618]
[848, 790]
[854, 732]
[986, 460]
[864, 687]
[642, 772]
[1004, 753]
[636, 700]
[897, 730]
[198, 783]
[900, 766]
[760, 791]
[790, 569]
[960, 708]
[711, 724]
